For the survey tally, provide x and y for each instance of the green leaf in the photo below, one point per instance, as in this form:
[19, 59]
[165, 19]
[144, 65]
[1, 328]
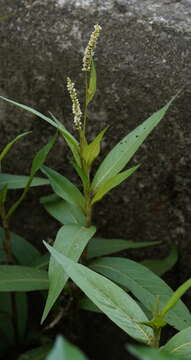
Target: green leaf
[86, 304]
[24, 252]
[112, 182]
[92, 83]
[3, 194]
[92, 150]
[6, 316]
[39, 353]
[20, 181]
[41, 156]
[64, 188]
[8, 147]
[175, 297]
[161, 266]
[71, 240]
[144, 285]
[100, 246]
[120, 155]
[70, 140]
[41, 262]
[63, 211]
[109, 297]
[146, 353]
[180, 344]
[33, 111]
[22, 278]
[63, 350]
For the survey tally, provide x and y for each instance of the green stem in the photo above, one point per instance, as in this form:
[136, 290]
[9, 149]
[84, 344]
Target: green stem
[156, 339]
[21, 198]
[85, 104]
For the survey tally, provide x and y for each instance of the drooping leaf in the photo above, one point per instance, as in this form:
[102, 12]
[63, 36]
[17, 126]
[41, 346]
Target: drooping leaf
[120, 155]
[41, 156]
[20, 181]
[145, 285]
[146, 353]
[71, 240]
[70, 140]
[92, 150]
[22, 278]
[63, 350]
[180, 344]
[161, 266]
[100, 246]
[112, 182]
[8, 147]
[64, 188]
[23, 251]
[63, 211]
[110, 298]
[39, 353]
[92, 83]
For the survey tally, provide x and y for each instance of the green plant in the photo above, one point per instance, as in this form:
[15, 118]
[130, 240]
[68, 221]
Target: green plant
[75, 241]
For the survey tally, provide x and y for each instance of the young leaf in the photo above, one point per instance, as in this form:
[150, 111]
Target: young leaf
[146, 353]
[23, 251]
[64, 188]
[180, 344]
[63, 211]
[20, 181]
[175, 297]
[120, 155]
[8, 147]
[112, 182]
[92, 83]
[71, 240]
[100, 246]
[41, 156]
[63, 350]
[92, 150]
[22, 278]
[161, 266]
[70, 140]
[110, 298]
[145, 285]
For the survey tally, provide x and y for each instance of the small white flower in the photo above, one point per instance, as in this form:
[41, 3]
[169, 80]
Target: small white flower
[89, 51]
[75, 104]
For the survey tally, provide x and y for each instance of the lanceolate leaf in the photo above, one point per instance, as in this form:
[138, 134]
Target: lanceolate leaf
[180, 344]
[72, 142]
[92, 150]
[63, 211]
[100, 246]
[40, 157]
[110, 298]
[145, 285]
[8, 147]
[24, 252]
[92, 83]
[146, 353]
[63, 350]
[20, 181]
[120, 155]
[71, 240]
[161, 266]
[22, 278]
[64, 188]
[112, 182]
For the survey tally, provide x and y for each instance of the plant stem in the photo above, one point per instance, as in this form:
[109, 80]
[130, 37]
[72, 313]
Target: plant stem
[21, 198]
[156, 339]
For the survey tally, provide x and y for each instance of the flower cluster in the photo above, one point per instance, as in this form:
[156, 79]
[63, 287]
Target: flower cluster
[75, 104]
[89, 51]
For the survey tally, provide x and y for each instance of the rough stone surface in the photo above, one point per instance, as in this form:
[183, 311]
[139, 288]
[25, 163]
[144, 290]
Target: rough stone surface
[143, 59]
